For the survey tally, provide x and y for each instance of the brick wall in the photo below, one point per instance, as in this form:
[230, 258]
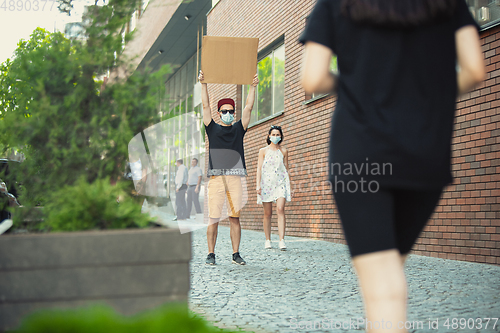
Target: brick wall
[466, 223]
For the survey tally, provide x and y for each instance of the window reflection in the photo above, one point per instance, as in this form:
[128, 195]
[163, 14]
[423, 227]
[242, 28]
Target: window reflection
[185, 134]
[264, 89]
[270, 95]
[279, 79]
[485, 12]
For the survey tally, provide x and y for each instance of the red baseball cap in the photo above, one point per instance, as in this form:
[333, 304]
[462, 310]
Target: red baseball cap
[225, 101]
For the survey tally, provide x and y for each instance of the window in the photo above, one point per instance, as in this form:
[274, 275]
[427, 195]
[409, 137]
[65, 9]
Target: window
[184, 130]
[270, 96]
[485, 12]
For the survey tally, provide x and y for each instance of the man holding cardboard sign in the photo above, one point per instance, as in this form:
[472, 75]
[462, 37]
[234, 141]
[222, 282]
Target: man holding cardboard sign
[226, 165]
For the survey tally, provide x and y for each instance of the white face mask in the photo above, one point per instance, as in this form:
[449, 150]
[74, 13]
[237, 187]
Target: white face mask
[227, 118]
[275, 139]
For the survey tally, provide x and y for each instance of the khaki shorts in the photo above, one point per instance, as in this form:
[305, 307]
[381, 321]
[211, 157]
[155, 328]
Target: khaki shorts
[217, 196]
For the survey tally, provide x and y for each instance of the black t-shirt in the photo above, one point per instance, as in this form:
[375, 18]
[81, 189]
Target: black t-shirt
[225, 154]
[397, 90]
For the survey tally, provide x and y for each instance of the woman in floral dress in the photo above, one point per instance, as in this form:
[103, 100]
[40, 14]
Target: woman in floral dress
[273, 183]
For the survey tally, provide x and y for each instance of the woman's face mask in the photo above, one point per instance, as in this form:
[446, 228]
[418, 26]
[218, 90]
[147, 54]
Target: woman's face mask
[275, 139]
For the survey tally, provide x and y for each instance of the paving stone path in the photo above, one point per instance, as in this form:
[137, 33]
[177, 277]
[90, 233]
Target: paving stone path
[311, 287]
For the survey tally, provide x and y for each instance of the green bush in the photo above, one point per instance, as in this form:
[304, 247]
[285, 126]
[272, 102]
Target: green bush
[85, 206]
[102, 319]
[26, 219]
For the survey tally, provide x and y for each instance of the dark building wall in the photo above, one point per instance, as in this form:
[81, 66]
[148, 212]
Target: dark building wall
[466, 223]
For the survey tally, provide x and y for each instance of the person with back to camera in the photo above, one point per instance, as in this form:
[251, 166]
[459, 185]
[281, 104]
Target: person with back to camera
[273, 183]
[396, 95]
[195, 176]
[226, 166]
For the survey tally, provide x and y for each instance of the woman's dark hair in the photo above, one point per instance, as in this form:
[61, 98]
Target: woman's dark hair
[397, 13]
[274, 127]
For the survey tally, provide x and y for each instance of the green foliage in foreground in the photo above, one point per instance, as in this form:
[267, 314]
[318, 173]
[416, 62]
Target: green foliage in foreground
[85, 206]
[102, 319]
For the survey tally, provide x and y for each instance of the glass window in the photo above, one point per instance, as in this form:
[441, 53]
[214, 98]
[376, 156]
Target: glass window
[270, 97]
[177, 90]
[183, 83]
[185, 130]
[279, 80]
[265, 88]
[190, 103]
[190, 75]
[485, 12]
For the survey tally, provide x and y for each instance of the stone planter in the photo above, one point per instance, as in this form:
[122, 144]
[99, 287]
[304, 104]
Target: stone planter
[131, 270]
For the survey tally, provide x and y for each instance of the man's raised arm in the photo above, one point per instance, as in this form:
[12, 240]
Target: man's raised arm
[247, 111]
[207, 112]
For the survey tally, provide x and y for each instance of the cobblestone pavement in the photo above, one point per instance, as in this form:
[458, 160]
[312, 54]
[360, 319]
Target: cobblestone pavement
[313, 281]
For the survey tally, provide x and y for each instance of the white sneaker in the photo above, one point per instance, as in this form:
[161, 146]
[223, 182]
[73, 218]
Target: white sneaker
[267, 244]
[282, 245]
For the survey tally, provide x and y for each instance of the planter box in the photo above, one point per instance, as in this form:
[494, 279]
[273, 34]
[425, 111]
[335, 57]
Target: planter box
[131, 270]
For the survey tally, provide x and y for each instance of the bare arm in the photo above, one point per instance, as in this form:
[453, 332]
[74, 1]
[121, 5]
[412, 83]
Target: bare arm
[285, 157]
[259, 168]
[207, 112]
[470, 59]
[285, 161]
[316, 76]
[247, 111]
[197, 188]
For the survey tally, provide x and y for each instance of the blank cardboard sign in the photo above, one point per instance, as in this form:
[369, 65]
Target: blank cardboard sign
[229, 60]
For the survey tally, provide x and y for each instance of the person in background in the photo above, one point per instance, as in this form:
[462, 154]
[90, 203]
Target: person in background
[181, 179]
[402, 64]
[273, 183]
[195, 175]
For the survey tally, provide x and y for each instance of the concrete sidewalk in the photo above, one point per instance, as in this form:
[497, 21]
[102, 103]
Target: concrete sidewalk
[311, 287]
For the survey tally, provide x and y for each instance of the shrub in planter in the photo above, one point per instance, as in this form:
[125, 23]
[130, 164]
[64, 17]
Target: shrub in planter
[99, 205]
[131, 270]
[84, 206]
[101, 319]
[74, 130]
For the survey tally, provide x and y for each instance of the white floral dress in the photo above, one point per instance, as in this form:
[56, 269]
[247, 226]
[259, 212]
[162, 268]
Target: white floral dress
[274, 181]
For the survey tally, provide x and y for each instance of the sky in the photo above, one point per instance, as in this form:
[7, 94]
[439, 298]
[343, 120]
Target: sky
[17, 22]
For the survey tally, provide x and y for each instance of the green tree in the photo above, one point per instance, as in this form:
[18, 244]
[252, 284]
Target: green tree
[53, 107]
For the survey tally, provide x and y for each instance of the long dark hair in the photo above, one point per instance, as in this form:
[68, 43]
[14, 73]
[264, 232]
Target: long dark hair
[397, 13]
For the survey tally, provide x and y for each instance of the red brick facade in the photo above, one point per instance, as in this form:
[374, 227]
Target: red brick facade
[465, 226]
